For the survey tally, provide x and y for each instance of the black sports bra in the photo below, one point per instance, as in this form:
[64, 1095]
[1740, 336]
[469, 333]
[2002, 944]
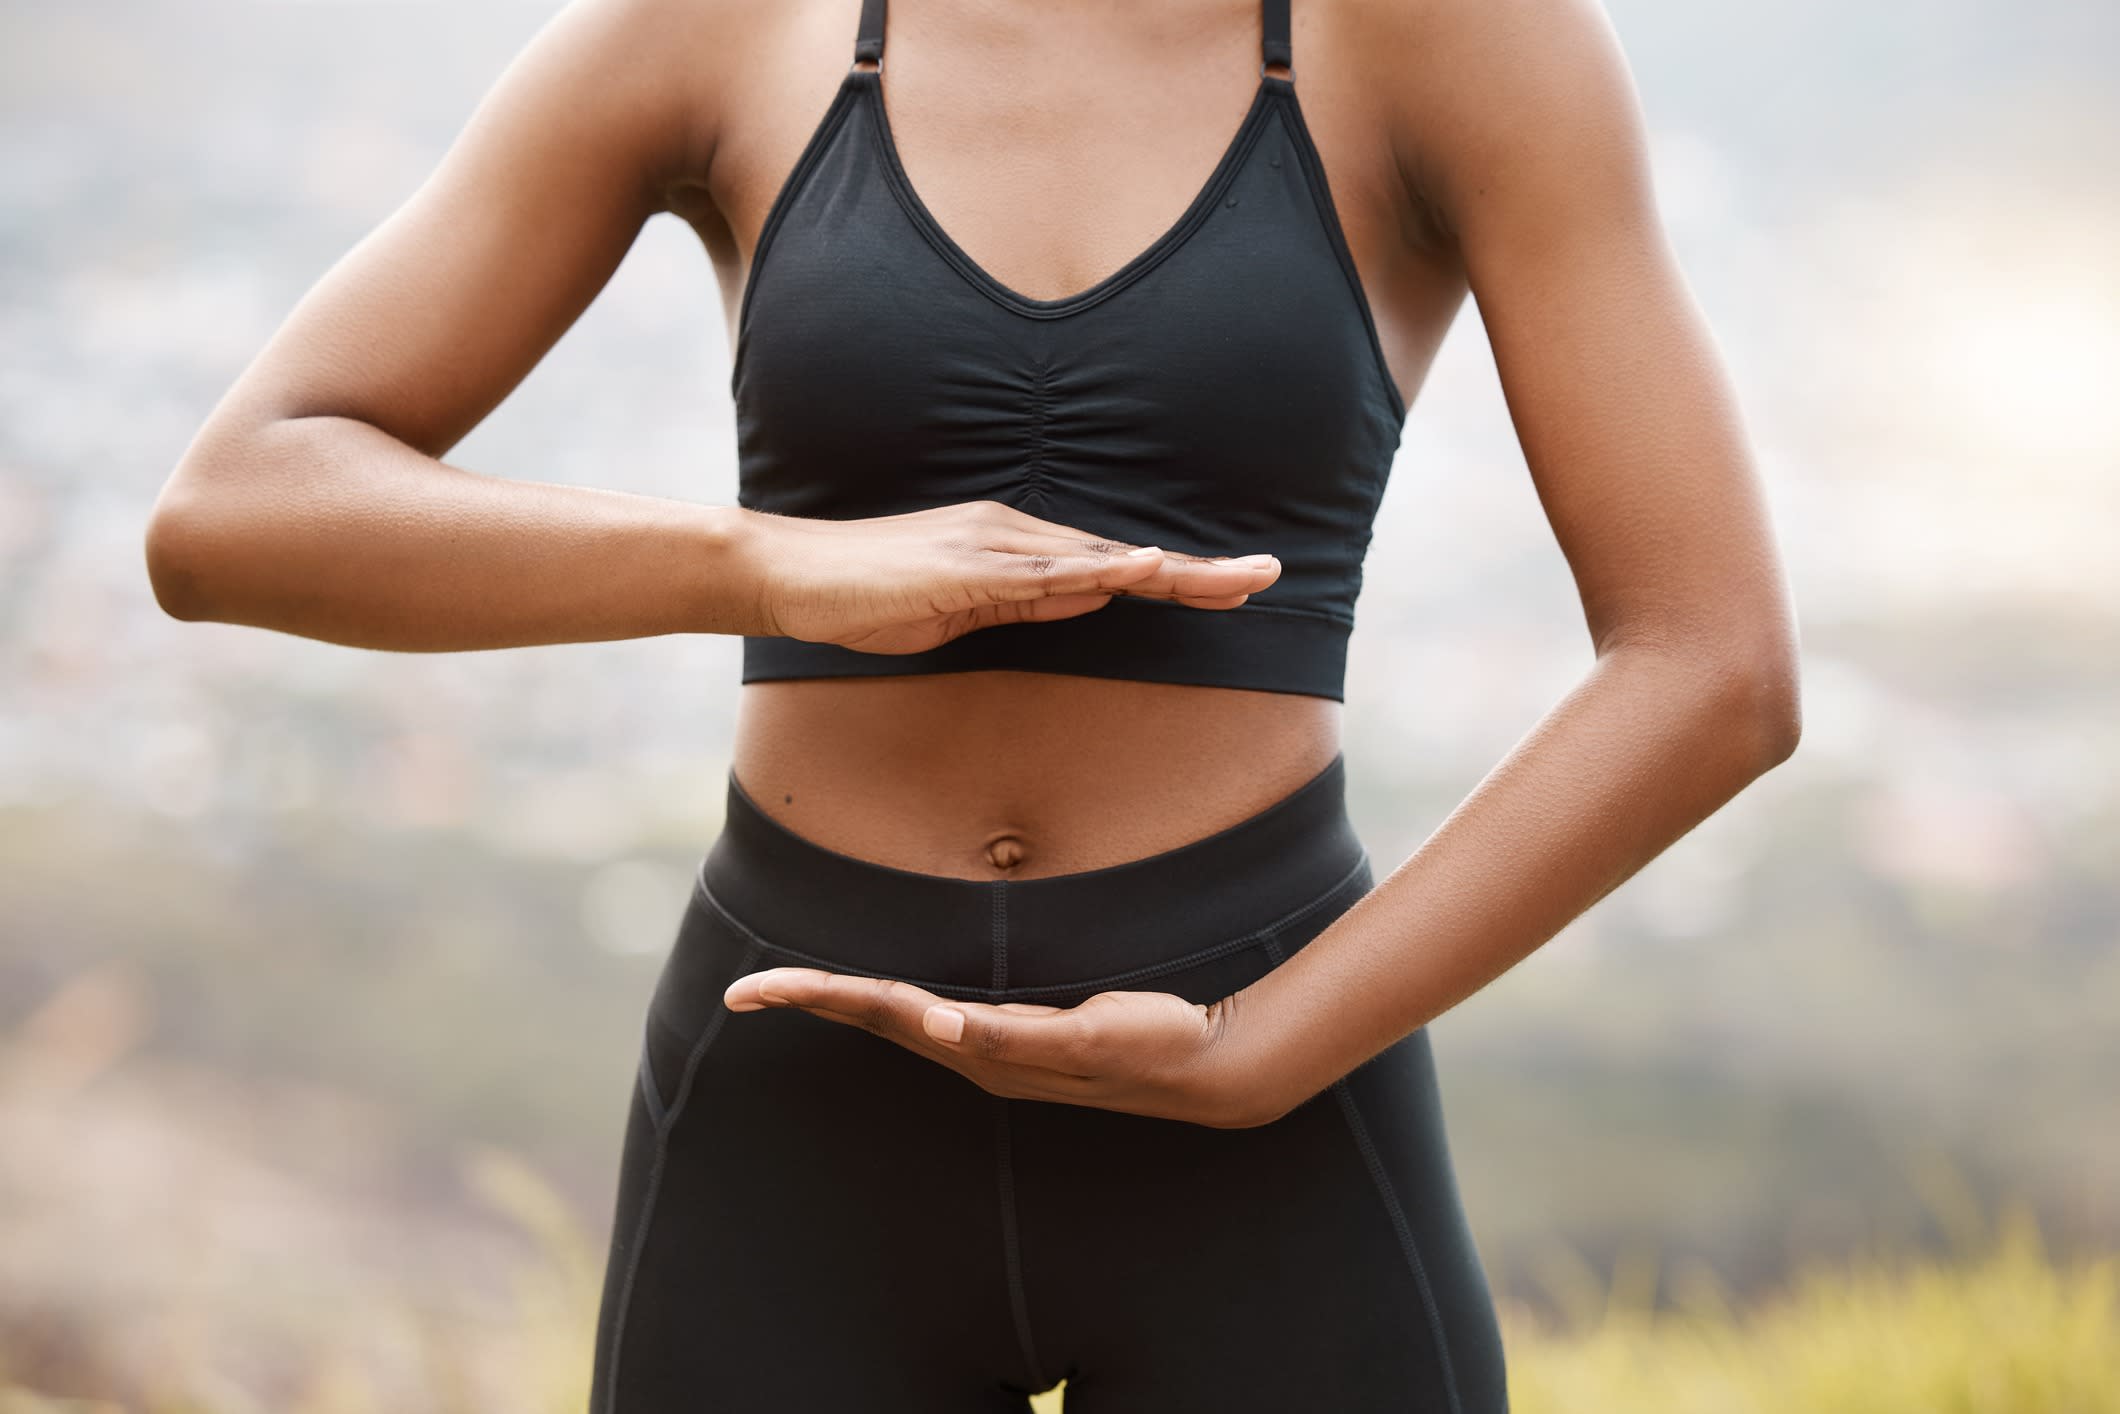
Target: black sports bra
[1221, 393]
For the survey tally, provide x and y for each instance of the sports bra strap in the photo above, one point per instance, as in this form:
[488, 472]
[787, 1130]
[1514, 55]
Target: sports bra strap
[1273, 25]
[869, 43]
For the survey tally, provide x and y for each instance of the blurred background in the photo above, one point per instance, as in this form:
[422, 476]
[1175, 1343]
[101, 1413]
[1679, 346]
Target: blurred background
[322, 970]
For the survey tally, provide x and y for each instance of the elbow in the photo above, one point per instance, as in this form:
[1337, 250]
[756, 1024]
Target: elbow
[1761, 698]
[176, 550]
[1741, 688]
[206, 525]
[188, 539]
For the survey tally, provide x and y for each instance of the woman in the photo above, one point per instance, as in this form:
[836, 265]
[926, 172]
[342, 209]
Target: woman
[1037, 1014]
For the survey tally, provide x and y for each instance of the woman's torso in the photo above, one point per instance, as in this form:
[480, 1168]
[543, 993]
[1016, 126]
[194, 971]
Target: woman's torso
[1054, 145]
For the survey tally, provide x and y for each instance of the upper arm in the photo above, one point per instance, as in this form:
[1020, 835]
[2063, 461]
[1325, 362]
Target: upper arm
[426, 324]
[1532, 149]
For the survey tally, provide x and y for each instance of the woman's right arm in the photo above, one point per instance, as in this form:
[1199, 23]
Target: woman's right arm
[314, 500]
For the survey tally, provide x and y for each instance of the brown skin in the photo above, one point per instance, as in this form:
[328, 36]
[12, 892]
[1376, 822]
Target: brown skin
[1493, 147]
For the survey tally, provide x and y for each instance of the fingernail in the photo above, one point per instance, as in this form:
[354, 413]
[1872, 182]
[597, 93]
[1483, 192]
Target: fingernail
[1258, 560]
[943, 1023]
[1147, 550]
[767, 988]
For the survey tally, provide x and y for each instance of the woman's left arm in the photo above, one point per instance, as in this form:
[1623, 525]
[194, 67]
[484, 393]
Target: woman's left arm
[1531, 155]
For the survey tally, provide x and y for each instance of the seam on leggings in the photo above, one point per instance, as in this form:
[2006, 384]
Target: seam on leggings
[1004, 1162]
[650, 1093]
[655, 1175]
[1104, 983]
[1352, 1112]
[999, 894]
[1012, 1246]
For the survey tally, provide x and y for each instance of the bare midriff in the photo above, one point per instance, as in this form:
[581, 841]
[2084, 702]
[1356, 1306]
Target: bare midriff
[1020, 775]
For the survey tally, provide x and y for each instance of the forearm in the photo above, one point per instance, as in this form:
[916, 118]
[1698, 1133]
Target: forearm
[329, 528]
[1650, 743]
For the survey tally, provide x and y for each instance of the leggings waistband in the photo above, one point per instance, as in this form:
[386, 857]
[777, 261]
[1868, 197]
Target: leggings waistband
[812, 905]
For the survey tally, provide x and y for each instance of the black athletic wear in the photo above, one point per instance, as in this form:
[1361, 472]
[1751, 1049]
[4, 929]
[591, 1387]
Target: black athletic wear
[813, 1219]
[1222, 393]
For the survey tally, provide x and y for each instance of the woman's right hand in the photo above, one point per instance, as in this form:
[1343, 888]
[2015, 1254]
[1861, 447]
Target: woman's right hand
[906, 583]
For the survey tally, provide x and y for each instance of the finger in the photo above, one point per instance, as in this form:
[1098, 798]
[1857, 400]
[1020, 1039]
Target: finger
[1037, 572]
[930, 1037]
[1028, 534]
[1064, 606]
[1196, 583]
[1058, 606]
[883, 1009]
[1204, 582]
[1064, 1042]
[1016, 1081]
[1014, 1043]
[1192, 578]
[1014, 1033]
[881, 1004]
[916, 1018]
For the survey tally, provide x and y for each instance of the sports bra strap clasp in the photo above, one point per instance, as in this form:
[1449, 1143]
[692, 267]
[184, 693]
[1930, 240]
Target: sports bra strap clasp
[1274, 48]
[868, 43]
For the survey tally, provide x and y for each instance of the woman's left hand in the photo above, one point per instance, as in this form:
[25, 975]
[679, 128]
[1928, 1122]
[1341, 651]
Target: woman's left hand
[1146, 1053]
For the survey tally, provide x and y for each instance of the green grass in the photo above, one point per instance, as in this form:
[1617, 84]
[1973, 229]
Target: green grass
[2004, 1330]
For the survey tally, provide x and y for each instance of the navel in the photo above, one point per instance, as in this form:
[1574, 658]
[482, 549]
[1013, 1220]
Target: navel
[1006, 851]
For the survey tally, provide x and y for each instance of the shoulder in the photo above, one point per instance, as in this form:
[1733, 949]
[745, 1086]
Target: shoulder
[1493, 104]
[659, 75]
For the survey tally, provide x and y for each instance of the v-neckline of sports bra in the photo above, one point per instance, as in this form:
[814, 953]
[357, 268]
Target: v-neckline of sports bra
[1196, 212]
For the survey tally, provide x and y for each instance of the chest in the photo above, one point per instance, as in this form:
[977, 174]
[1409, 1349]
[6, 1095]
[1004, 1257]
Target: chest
[1231, 356]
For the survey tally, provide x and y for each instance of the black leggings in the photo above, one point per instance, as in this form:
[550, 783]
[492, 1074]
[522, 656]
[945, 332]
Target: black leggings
[813, 1218]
